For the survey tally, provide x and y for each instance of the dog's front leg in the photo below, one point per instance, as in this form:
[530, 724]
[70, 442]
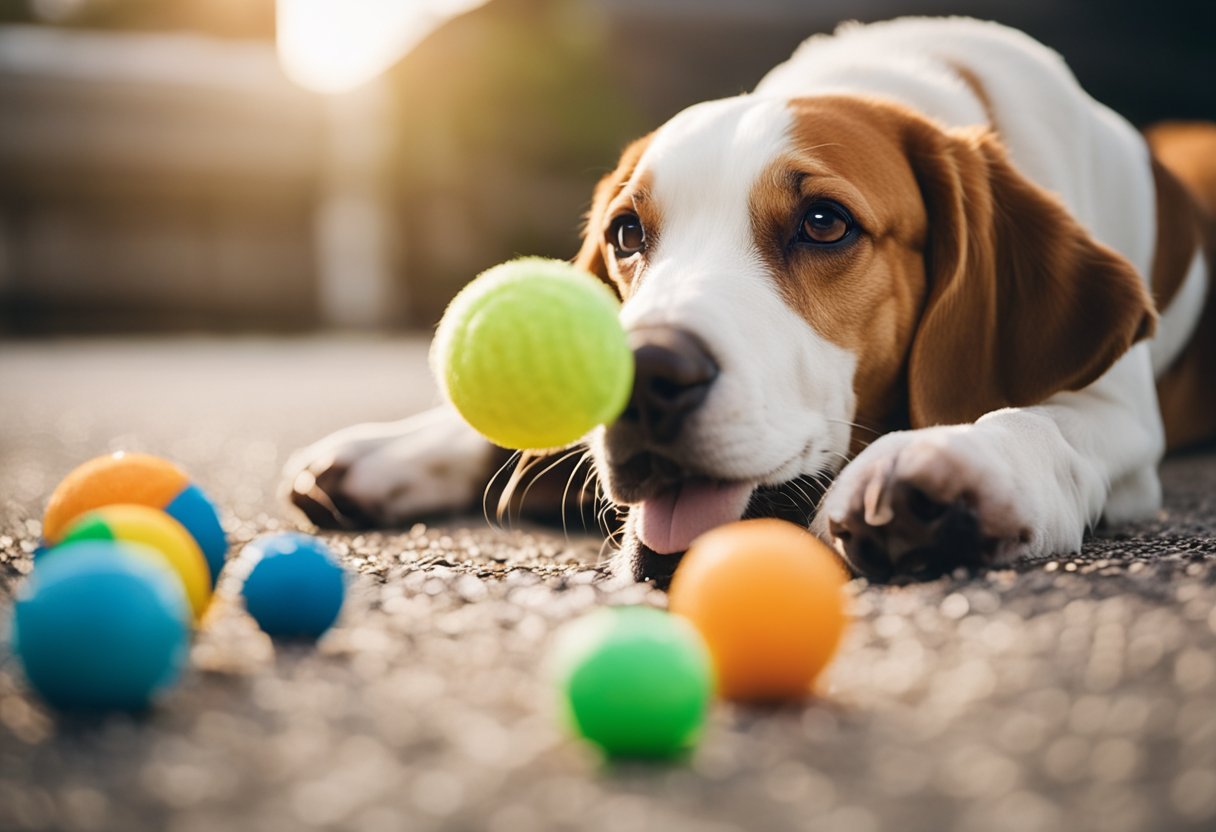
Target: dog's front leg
[1017, 482]
[390, 474]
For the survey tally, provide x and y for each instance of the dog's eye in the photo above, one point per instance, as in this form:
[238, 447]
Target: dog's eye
[627, 235]
[825, 223]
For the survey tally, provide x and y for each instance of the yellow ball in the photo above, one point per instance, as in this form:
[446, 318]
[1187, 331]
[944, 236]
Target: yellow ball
[532, 354]
[160, 532]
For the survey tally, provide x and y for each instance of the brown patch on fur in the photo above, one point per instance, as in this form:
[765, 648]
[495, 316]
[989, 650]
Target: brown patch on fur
[865, 295]
[595, 255]
[970, 287]
[977, 89]
[1023, 301]
[1177, 235]
[1186, 391]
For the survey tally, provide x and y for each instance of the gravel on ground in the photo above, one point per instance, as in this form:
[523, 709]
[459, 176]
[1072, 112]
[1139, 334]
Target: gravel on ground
[1074, 693]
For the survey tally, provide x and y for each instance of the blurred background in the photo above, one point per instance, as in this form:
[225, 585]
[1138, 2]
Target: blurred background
[247, 166]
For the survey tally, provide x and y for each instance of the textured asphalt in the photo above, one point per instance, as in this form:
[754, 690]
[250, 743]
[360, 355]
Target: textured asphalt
[1066, 694]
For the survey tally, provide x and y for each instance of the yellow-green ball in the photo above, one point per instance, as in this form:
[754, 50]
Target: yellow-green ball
[532, 354]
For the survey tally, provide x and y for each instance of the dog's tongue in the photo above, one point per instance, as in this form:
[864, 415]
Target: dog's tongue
[670, 521]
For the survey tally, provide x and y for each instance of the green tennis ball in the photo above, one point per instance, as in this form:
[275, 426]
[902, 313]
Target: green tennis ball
[636, 681]
[532, 354]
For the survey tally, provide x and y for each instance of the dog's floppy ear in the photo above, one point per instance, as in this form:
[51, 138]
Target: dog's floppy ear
[1022, 302]
[590, 256]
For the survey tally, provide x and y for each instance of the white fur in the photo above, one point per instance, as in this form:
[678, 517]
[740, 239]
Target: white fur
[784, 394]
[397, 471]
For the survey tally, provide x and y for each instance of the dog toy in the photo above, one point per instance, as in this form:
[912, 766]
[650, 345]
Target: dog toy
[296, 586]
[101, 625]
[637, 681]
[768, 598]
[144, 480]
[167, 539]
[532, 355]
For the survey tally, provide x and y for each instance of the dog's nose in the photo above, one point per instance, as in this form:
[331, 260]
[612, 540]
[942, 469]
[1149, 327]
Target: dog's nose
[673, 375]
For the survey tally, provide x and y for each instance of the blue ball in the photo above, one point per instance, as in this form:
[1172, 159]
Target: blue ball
[198, 514]
[296, 587]
[101, 625]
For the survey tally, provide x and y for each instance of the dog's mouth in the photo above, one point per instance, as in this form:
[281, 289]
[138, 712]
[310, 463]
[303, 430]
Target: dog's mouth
[670, 503]
[662, 525]
[669, 521]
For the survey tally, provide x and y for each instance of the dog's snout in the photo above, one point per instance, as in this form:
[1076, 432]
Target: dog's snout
[674, 372]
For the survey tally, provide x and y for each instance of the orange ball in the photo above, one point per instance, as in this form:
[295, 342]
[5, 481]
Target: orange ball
[767, 596]
[117, 478]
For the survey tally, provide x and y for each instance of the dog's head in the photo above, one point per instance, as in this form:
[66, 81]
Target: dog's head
[799, 276]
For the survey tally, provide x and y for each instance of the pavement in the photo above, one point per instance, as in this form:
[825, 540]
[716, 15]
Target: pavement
[1075, 693]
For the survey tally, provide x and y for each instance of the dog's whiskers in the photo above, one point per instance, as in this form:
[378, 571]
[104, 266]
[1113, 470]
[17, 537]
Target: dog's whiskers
[586, 455]
[523, 498]
[810, 501]
[875, 432]
[582, 492]
[524, 462]
[613, 531]
[845, 459]
[602, 505]
[485, 493]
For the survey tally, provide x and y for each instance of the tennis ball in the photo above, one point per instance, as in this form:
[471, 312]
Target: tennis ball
[143, 480]
[636, 681]
[101, 625]
[768, 597]
[296, 587]
[159, 533]
[532, 355]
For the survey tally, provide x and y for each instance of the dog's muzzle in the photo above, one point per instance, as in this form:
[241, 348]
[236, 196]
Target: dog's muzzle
[673, 375]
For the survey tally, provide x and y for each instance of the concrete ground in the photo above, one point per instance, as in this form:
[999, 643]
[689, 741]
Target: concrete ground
[1073, 694]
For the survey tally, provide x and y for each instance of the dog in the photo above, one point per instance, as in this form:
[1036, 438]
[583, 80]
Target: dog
[917, 291]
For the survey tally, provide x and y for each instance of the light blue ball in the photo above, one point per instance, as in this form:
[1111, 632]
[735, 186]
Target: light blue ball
[296, 587]
[101, 625]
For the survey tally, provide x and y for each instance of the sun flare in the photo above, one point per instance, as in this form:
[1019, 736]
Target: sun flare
[334, 47]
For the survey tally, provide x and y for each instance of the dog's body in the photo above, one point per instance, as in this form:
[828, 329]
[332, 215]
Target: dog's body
[921, 233]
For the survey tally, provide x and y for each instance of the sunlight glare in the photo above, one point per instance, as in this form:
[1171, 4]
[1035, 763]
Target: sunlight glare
[336, 45]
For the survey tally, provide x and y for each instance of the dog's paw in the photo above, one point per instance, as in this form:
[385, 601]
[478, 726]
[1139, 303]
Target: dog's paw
[384, 475]
[923, 502]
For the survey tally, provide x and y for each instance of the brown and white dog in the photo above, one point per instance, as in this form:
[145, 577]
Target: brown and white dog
[918, 263]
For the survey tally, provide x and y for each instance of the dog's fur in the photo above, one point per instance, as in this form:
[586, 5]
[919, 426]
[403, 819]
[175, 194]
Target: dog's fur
[996, 356]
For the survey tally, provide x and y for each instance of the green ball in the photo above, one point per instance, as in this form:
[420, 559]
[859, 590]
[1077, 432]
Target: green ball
[532, 354]
[637, 681]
